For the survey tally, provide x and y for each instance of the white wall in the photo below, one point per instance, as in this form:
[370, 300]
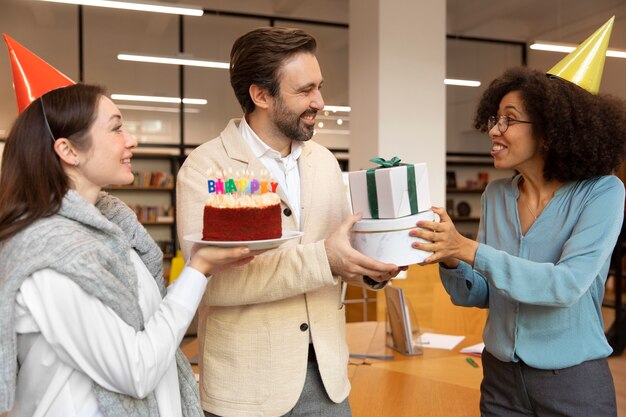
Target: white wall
[397, 68]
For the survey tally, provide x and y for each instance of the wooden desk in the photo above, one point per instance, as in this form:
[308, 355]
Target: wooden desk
[437, 383]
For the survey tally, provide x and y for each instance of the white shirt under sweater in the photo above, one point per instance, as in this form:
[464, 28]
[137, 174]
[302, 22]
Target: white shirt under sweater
[283, 169]
[67, 338]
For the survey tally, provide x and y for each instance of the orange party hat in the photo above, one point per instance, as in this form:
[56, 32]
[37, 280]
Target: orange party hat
[585, 64]
[32, 76]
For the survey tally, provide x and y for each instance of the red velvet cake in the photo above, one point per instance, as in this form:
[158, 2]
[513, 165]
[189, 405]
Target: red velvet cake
[229, 217]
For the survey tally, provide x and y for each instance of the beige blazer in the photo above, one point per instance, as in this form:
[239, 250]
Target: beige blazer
[256, 320]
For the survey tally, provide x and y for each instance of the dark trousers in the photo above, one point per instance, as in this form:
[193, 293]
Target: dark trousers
[314, 401]
[512, 389]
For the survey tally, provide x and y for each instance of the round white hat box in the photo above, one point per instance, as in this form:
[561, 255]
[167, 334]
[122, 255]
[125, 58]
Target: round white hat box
[388, 240]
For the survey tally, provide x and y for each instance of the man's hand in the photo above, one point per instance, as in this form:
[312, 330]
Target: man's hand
[210, 260]
[350, 264]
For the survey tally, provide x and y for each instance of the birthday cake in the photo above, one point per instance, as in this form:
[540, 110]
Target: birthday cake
[241, 210]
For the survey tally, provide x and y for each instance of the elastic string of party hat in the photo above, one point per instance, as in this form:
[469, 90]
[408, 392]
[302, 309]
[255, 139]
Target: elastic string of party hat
[45, 118]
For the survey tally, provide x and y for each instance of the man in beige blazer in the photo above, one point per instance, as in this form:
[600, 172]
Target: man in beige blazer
[272, 333]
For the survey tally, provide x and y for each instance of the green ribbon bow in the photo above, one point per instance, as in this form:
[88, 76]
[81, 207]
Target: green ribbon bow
[372, 194]
[393, 162]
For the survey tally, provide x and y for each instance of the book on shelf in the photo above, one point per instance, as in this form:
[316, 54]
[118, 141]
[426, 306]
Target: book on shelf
[157, 179]
[167, 247]
[153, 214]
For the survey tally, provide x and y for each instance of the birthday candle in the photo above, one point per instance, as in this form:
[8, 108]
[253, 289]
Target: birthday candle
[229, 186]
[219, 186]
[273, 184]
[244, 183]
[254, 186]
[210, 183]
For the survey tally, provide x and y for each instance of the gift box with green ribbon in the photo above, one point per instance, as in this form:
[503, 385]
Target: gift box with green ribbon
[390, 190]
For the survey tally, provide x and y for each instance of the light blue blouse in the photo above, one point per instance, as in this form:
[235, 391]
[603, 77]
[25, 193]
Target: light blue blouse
[544, 290]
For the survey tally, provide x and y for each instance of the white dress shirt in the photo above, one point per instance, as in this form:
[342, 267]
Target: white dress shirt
[283, 169]
[67, 338]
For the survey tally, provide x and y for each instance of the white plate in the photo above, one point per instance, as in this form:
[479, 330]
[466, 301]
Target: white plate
[252, 244]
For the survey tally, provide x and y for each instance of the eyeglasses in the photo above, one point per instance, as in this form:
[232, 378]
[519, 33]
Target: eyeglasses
[503, 122]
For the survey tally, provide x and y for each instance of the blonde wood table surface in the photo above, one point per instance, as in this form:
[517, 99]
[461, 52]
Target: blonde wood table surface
[436, 383]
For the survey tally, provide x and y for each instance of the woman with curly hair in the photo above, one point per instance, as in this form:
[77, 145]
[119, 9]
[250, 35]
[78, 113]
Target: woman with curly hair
[544, 245]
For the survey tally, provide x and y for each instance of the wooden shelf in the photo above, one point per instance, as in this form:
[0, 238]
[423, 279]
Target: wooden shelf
[169, 223]
[468, 159]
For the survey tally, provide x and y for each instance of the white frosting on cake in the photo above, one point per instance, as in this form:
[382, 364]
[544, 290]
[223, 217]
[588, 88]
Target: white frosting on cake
[235, 200]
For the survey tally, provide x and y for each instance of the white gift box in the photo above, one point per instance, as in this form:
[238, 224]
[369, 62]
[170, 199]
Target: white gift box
[391, 190]
[388, 240]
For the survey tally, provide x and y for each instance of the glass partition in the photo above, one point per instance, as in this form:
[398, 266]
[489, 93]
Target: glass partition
[107, 33]
[473, 60]
[211, 38]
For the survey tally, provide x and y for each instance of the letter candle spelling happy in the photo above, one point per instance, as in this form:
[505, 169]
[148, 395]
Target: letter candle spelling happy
[241, 207]
[220, 182]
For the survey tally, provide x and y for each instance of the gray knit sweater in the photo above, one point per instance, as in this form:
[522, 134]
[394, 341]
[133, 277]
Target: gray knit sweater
[90, 245]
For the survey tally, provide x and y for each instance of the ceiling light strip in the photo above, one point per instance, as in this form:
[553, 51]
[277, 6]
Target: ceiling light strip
[556, 47]
[155, 59]
[156, 7]
[337, 108]
[551, 48]
[173, 61]
[158, 99]
[463, 83]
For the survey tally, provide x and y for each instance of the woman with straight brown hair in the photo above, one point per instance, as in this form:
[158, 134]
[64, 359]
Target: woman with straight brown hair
[86, 325]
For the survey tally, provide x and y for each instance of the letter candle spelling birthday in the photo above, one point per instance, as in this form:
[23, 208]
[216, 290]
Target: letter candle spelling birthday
[221, 182]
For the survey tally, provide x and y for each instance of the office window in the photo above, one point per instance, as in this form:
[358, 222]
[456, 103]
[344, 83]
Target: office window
[210, 38]
[108, 32]
[472, 60]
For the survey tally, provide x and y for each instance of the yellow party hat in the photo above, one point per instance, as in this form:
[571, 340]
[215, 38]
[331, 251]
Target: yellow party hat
[583, 66]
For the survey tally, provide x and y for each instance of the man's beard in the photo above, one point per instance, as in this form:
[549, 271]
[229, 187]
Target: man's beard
[288, 123]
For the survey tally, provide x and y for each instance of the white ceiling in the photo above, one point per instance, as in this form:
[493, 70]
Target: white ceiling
[569, 21]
